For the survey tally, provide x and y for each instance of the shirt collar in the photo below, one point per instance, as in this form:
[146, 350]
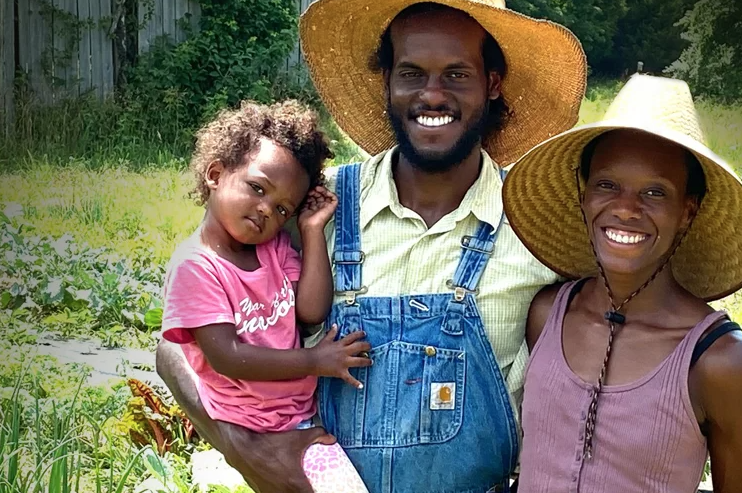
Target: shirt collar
[379, 192]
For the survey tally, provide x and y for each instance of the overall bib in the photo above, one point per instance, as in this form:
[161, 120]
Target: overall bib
[434, 413]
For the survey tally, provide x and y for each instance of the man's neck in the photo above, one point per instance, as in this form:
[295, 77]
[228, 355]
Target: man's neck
[433, 195]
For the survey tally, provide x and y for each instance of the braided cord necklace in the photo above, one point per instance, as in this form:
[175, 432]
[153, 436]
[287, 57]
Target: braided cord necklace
[614, 317]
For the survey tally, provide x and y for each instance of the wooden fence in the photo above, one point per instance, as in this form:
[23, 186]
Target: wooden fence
[38, 42]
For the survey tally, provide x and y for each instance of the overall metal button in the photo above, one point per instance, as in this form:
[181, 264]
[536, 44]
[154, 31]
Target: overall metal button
[430, 350]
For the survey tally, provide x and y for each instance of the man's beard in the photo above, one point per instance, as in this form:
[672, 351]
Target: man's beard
[438, 162]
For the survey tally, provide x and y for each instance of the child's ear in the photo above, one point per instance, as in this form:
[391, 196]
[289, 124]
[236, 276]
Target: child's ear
[214, 172]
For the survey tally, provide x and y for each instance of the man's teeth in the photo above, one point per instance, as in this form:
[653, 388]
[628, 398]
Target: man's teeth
[429, 121]
[625, 237]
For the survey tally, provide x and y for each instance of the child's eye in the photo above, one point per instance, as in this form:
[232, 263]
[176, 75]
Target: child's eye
[283, 211]
[257, 188]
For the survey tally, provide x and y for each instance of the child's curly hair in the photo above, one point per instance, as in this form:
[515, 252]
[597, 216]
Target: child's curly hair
[235, 132]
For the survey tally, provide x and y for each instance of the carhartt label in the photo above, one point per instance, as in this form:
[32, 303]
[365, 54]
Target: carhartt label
[442, 396]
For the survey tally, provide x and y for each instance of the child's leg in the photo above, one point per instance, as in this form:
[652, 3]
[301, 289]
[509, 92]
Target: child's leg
[330, 471]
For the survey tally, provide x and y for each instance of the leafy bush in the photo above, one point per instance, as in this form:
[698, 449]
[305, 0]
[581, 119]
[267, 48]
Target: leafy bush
[712, 64]
[237, 53]
[72, 288]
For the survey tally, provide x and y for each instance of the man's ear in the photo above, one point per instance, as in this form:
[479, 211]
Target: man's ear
[494, 84]
[386, 73]
[214, 172]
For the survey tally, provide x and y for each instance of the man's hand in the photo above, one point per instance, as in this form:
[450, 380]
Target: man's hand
[318, 210]
[333, 358]
[269, 462]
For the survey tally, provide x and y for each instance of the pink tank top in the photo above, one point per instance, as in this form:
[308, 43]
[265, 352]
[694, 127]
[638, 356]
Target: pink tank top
[646, 438]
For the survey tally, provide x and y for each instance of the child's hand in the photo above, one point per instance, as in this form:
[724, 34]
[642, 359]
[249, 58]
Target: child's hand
[318, 209]
[333, 358]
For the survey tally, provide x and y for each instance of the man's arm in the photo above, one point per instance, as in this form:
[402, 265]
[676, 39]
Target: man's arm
[269, 462]
[720, 371]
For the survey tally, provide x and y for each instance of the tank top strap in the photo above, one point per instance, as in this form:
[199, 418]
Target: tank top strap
[689, 342]
[551, 335]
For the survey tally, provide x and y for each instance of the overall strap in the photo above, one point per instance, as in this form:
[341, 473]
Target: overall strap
[476, 251]
[348, 255]
[711, 338]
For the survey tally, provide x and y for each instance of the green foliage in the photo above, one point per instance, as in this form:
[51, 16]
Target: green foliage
[237, 53]
[617, 33]
[60, 285]
[649, 32]
[712, 64]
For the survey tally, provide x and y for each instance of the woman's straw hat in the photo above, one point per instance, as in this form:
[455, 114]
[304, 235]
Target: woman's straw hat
[543, 207]
[544, 85]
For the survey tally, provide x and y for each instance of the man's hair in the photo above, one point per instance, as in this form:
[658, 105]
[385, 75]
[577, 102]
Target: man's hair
[695, 187]
[234, 133]
[494, 60]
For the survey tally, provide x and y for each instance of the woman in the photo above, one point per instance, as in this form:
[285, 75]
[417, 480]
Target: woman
[633, 378]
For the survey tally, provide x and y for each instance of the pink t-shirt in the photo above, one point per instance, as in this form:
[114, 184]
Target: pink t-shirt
[202, 289]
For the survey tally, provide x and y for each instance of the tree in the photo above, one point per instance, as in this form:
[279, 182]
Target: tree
[712, 64]
[649, 32]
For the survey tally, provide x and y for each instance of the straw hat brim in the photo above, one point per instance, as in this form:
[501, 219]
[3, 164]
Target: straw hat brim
[544, 85]
[541, 202]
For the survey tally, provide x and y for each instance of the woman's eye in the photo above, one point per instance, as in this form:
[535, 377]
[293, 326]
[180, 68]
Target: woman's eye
[605, 185]
[655, 193]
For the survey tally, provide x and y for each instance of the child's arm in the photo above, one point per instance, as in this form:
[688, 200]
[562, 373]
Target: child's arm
[231, 357]
[315, 288]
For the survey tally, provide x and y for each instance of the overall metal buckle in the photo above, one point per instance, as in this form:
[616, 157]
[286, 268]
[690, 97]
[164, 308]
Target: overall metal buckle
[349, 262]
[350, 296]
[465, 240]
[459, 292]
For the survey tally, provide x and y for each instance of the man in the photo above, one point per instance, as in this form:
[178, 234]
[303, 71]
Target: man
[424, 261]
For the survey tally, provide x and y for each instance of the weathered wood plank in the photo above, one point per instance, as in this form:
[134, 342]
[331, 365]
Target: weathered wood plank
[168, 19]
[96, 50]
[34, 47]
[84, 70]
[180, 9]
[106, 69]
[7, 66]
[158, 21]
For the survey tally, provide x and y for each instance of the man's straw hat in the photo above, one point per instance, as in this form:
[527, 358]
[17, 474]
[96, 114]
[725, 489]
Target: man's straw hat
[542, 204]
[544, 85]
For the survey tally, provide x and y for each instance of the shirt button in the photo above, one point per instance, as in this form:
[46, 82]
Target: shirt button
[577, 456]
[574, 478]
[430, 350]
[583, 416]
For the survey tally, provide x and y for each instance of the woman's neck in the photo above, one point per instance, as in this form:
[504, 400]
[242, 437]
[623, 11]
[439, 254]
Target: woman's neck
[657, 293]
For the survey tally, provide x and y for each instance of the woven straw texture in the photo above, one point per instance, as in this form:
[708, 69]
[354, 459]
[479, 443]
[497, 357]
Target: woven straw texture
[542, 204]
[544, 86]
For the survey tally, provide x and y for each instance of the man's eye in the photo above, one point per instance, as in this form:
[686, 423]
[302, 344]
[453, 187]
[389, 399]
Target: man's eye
[458, 75]
[606, 185]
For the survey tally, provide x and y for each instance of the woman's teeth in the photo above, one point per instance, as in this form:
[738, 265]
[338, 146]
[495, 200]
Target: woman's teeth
[624, 237]
[429, 121]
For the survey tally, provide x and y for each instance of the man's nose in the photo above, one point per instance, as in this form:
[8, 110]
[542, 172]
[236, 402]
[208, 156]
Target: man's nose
[433, 94]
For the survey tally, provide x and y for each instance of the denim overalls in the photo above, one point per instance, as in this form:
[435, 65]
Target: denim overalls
[434, 413]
